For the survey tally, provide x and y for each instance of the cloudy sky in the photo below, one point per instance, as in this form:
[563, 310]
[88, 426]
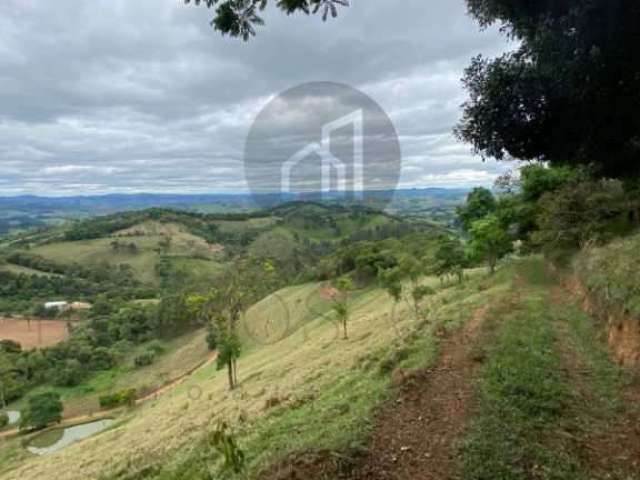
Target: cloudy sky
[126, 96]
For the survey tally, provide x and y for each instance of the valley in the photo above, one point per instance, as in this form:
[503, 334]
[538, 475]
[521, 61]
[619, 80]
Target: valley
[319, 240]
[299, 377]
[380, 341]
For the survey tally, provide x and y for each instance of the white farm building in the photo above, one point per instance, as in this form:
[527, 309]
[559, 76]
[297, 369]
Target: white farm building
[56, 305]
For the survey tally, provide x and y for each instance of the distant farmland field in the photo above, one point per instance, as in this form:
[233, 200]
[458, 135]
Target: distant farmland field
[34, 334]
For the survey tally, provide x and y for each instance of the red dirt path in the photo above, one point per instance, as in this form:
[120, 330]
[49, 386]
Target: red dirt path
[416, 436]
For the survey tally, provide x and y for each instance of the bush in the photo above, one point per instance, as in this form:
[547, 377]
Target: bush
[121, 349]
[145, 359]
[212, 339]
[119, 399]
[70, 374]
[4, 420]
[156, 347]
[42, 409]
[582, 213]
[102, 359]
[610, 274]
[9, 346]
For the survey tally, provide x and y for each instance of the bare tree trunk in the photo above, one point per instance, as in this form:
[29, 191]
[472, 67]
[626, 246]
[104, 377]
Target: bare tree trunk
[235, 372]
[492, 263]
[230, 373]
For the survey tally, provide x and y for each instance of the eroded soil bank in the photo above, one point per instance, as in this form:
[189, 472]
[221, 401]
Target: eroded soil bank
[621, 329]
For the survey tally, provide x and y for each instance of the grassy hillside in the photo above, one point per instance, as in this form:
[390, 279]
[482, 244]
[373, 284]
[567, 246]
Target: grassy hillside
[311, 368]
[147, 237]
[544, 385]
[175, 252]
[612, 274]
[20, 270]
[193, 248]
[94, 252]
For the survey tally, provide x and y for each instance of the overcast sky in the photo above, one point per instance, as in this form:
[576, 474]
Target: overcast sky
[107, 96]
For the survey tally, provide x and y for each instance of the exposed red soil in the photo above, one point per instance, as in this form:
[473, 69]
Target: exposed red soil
[418, 436]
[35, 333]
[329, 293]
[622, 330]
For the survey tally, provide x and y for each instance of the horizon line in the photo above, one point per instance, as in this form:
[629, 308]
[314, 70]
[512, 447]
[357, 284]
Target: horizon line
[218, 193]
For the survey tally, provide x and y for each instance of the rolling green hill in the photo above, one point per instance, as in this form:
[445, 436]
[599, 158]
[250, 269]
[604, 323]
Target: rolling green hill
[283, 368]
[167, 249]
[516, 342]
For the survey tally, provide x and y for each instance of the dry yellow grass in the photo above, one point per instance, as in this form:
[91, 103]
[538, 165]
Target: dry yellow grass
[307, 360]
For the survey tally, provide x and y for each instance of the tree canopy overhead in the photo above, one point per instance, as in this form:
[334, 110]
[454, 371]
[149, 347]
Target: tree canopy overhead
[238, 18]
[570, 92]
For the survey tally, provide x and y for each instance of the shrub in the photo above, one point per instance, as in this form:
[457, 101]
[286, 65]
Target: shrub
[9, 346]
[42, 409]
[156, 347]
[69, 374]
[212, 339]
[224, 442]
[145, 359]
[119, 399]
[102, 359]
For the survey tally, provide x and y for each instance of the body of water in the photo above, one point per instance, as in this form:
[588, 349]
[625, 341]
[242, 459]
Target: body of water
[68, 437]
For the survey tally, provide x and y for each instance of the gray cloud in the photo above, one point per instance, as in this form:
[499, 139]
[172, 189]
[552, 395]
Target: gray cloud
[133, 96]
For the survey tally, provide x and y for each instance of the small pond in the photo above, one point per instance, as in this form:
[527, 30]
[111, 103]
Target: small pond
[59, 438]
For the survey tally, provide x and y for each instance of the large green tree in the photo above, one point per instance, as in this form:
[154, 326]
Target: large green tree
[489, 240]
[450, 259]
[42, 410]
[480, 203]
[238, 18]
[570, 92]
[10, 386]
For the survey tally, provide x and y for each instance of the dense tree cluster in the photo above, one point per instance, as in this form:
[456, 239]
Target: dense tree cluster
[105, 339]
[26, 293]
[556, 210]
[568, 94]
[364, 259]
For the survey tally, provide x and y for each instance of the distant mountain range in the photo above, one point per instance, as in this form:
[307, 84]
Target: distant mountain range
[29, 211]
[116, 202]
